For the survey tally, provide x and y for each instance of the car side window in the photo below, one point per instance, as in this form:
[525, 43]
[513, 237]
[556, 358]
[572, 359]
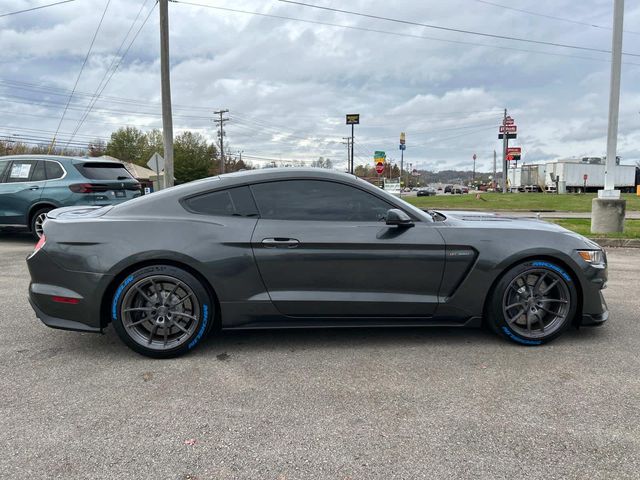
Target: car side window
[317, 200]
[20, 171]
[54, 170]
[4, 166]
[38, 173]
[229, 202]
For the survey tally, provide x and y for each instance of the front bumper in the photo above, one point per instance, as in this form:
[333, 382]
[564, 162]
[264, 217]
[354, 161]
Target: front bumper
[594, 307]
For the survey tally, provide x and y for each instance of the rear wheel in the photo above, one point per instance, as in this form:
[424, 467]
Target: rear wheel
[161, 311]
[533, 303]
[37, 220]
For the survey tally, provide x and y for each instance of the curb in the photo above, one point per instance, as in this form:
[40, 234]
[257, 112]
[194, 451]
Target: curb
[617, 242]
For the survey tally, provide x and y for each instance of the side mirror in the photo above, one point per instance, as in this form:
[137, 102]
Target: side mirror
[398, 218]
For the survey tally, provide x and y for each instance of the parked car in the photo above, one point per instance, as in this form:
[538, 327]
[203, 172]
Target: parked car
[465, 189]
[426, 192]
[32, 185]
[448, 189]
[456, 190]
[294, 248]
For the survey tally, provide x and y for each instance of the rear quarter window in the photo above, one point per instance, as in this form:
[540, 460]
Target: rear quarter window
[4, 166]
[103, 171]
[230, 202]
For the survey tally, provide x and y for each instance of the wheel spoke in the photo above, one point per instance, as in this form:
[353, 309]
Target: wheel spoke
[541, 322]
[513, 305]
[181, 314]
[549, 287]
[138, 309]
[529, 323]
[176, 324]
[173, 290]
[538, 284]
[141, 292]
[516, 316]
[138, 322]
[553, 300]
[166, 332]
[547, 310]
[181, 300]
[152, 333]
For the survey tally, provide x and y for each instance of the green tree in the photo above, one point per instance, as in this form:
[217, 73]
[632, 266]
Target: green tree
[153, 142]
[193, 157]
[127, 144]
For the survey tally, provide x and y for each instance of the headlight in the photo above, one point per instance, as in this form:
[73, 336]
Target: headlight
[592, 256]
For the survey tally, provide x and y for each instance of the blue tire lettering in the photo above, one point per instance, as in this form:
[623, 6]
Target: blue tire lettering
[553, 267]
[205, 319]
[114, 305]
[520, 340]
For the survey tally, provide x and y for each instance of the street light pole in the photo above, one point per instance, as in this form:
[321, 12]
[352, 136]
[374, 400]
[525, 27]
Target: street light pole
[608, 210]
[165, 79]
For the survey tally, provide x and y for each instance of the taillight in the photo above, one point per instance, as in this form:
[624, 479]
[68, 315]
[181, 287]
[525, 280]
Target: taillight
[39, 245]
[88, 187]
[70, 300]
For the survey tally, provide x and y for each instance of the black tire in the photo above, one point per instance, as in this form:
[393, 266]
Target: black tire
[529, 327]
[151, 304]
[35, 218]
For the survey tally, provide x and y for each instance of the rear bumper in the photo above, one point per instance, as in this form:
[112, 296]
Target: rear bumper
[49, 280]
[61, 323]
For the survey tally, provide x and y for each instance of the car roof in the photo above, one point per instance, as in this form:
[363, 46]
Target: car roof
[59, 158]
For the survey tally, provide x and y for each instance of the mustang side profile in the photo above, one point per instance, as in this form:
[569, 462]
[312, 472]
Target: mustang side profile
[293, 248]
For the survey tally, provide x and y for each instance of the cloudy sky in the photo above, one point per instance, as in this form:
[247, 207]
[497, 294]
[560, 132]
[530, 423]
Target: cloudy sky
[288, 82]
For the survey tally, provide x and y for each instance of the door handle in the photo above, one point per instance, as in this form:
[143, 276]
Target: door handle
[279, 242]
[34, 187]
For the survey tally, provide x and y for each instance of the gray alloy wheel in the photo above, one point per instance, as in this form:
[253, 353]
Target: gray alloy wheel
[536, 303]
[37, 224]
[160, 312]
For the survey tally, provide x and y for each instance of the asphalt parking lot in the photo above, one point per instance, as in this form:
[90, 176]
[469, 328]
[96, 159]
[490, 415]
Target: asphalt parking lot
[349, 404]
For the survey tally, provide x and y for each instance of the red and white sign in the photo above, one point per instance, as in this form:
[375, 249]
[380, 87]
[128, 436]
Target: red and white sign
[474, 156]
[508, 129]
[509, 157]
[514, 150]
[508, 121]
[379, 168]
[585, 177]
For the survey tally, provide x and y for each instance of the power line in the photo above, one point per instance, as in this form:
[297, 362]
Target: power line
[84, 62]
[397, 34]
[552, 17]
[450, 29]
[115, 69]
[35, 8]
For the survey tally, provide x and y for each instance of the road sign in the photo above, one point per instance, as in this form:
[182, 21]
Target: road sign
[509, 135]
[508, 128]
[474, 156]
[508, 121]
[402, 138]
[514, 150]
[379, 156]
[585, 177]
[379, 167]
[156, 163]
[403, 146]
[353, 119]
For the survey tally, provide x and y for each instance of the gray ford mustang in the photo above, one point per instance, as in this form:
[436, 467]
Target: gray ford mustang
[292, 248]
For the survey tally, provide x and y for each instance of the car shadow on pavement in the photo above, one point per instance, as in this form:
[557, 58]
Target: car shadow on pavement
[226, 343]
[16, 237]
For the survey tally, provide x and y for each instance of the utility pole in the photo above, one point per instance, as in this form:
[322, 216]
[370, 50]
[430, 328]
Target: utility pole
[473, 179]
[220, 123]
[608, 210]
[167, 119]
[347, 142]
[505, 145]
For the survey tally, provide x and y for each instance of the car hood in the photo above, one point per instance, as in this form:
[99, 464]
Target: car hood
[500, 221]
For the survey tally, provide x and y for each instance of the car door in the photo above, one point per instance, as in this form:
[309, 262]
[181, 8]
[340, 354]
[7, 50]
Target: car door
[323, 249]
[21, 188]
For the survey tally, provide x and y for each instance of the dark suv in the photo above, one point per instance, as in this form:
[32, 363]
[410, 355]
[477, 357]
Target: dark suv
[32, 185]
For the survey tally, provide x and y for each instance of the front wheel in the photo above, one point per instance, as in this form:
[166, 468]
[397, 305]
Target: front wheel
[161, 311]
[533, 303]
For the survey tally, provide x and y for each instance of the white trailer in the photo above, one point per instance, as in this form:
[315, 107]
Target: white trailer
[572, 172]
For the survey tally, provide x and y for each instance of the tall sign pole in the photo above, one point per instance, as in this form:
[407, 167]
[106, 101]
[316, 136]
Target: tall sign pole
[352, 119]
[505, 143]
[167, 121]
[403, 146]
[493, 179]
[608, 210]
